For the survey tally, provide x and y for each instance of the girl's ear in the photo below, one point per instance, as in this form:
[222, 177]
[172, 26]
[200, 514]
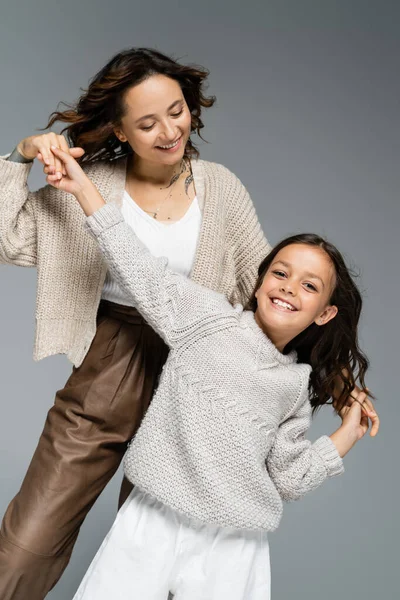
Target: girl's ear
[327, 315]
[120, 134]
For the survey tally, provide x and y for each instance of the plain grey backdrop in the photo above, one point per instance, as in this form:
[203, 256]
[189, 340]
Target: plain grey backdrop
[308, 118]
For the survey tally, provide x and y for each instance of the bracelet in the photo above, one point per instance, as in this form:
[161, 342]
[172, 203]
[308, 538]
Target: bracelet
[17, 157]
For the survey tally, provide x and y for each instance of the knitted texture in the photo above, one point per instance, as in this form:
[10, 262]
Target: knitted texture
[44, 229]
[223, 440]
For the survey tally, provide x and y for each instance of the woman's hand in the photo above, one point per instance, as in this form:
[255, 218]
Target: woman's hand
[75, 182]
[39, 146]
[355, 423]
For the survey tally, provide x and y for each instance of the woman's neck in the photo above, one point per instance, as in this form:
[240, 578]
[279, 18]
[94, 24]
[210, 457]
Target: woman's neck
[151, 172]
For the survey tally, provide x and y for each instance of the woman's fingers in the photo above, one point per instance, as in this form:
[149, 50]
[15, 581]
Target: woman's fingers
[76, 152]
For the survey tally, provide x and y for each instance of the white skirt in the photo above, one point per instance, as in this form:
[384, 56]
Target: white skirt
[154, 553]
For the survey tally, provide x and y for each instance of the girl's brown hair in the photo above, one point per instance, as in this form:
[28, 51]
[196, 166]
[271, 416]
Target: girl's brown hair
[91, 121]
[332, 350]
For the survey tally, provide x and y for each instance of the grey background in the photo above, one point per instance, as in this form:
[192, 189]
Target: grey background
[307, 117]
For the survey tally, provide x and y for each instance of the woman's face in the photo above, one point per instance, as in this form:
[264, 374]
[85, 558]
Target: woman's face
[157, 120]
[295, 292]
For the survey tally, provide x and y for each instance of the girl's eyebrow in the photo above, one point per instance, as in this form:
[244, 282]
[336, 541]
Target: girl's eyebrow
[152, 116]
[309, 275]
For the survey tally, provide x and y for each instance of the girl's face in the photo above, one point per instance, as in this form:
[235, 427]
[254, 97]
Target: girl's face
[157, 120]
[295, 292]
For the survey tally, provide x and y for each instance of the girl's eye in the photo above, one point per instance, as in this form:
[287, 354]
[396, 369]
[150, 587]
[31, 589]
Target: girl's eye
[178, 114]
[311, 287]
[279, 273]
[147, 128]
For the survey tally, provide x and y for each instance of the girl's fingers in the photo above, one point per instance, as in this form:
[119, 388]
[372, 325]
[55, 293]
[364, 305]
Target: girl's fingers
[54, 140]
[64, 146]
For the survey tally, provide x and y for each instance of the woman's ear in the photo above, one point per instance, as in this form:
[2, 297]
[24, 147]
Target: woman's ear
[120, 134]
[327, 315]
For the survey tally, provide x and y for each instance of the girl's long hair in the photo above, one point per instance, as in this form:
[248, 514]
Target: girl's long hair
[332, 350]
[91, 121]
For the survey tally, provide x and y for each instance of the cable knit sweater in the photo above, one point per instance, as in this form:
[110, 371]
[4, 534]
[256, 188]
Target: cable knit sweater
[44, 229]
[224, 437]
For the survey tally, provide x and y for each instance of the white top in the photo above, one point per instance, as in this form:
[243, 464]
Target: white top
[177, 241]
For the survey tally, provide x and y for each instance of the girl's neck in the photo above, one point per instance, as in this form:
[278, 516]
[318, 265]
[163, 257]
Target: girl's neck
[151, 172]
[278, 338]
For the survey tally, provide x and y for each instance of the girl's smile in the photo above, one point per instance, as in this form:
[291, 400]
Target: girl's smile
[295, 293]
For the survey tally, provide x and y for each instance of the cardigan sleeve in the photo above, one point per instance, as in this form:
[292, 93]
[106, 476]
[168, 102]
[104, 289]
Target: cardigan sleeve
[249, 243]
[173, 305]
[17, 218]
[295, 465]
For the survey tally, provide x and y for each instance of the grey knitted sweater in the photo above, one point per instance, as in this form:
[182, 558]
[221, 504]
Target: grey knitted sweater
[223, 440]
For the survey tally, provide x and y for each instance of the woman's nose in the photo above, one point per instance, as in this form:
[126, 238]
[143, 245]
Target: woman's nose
[169, 130]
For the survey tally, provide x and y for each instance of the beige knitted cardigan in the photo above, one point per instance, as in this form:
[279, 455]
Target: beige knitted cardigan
[45, 229]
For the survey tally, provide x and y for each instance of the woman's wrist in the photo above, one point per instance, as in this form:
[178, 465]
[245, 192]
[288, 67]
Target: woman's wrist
[344, 439]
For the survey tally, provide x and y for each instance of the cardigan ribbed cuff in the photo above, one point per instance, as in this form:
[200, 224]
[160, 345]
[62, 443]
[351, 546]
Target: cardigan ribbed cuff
[329, 454]
[105, 217]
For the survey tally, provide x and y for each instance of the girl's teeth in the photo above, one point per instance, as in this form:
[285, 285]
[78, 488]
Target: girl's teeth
[284, 304]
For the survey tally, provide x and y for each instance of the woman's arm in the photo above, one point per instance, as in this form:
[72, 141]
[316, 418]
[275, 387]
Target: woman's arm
[18, 242]
[249, 243]
[17, 216]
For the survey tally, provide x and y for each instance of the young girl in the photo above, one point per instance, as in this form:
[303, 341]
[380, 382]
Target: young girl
[223, 441]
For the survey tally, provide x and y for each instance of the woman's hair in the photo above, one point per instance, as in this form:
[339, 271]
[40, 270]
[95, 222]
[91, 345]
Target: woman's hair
[332, 350]
[91, 121]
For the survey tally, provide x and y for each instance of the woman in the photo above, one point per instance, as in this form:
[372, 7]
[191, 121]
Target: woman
[132, 131]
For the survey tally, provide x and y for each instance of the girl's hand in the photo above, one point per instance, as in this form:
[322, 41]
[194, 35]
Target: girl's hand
[39, 146]
[76, 182]
[367, 408]
[71, 178]
[354, 425]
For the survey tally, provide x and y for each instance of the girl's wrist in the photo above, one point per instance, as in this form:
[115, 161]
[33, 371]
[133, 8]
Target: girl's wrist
[89, 198]
[344, 439]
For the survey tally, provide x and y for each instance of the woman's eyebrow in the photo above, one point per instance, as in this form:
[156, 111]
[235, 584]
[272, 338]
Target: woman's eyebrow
[153, 115]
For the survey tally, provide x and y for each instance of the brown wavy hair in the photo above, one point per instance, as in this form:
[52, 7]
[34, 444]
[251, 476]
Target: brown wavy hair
[332, 350]
[91, 121]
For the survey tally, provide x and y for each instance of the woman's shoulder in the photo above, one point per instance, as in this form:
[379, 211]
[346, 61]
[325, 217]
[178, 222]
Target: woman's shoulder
[210, 168]
[219, 181]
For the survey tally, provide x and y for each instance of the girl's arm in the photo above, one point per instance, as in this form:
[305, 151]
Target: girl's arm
[295, 465]
[172, 304]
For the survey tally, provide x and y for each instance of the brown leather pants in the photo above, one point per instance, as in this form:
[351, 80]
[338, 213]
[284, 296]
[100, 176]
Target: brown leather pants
[84, 439]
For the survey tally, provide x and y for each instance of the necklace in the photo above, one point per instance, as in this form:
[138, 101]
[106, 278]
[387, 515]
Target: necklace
[185, 165]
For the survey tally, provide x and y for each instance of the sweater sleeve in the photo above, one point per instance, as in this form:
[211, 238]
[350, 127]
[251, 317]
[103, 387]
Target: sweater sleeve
[17, 219]
[250, 245]
[174, 306]
[295, 465]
